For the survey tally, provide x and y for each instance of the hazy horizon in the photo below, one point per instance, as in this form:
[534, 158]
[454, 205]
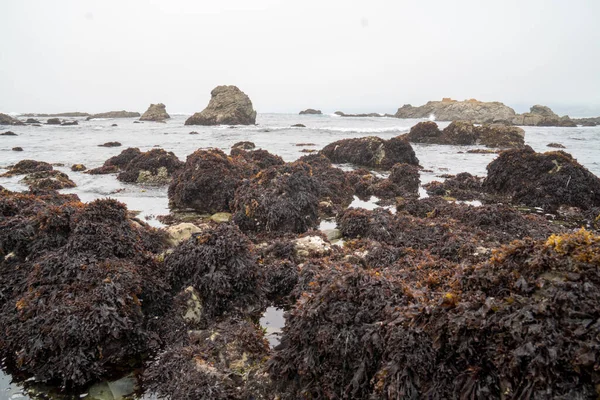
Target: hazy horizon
[96, 56]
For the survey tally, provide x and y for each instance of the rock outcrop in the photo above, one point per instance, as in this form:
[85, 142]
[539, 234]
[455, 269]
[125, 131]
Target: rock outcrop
[228, 106]
[343, 114]
[8, 120]
[594, 121]
[371, 151]
[542, 116]
[460, 133]
[115, 114]
[311, 111]
[73, 114]
[452, 110]
[156, 112]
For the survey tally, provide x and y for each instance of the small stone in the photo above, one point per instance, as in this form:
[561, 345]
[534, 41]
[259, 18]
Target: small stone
[181, 232]
[193, 313]
[78, 167]
[332, 234]
[221, 217]
[17, 149]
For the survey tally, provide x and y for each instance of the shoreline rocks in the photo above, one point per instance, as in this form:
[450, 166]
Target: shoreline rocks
[114, 114]
[8, 120]
[371, 151]
[464, 133]
[453, 110]
[156, 112]
[228, 106]
[542, 116]
[310, 111]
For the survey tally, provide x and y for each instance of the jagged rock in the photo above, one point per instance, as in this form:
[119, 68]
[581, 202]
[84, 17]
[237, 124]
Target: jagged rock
[310, 111]
[542, 116]
[156, 112]
[228, 106]
[8, 120]
[371, 151]
[114, 114]
[453, 110]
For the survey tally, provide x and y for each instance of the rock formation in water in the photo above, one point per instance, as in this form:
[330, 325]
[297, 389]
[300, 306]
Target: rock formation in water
[460, 133]
[452, 110]
[156, 112]
[371, 151]
[542, 116]
[343, 114]
[115, 114]
[228, 106]
[311, 111]
[8, 120]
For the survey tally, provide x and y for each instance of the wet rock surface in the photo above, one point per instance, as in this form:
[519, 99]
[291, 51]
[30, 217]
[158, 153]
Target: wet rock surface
[228, 106]
[461, 133]
[154, 167]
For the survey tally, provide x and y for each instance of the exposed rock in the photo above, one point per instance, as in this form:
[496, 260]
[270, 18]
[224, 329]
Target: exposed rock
[110, 144]
[371, 152]
[309, 246]
[453, 110]
[311, 111]
[32, 121]
[8, 120]
[113, 125]
[342, 114]
[460, 133]
[244, 146]
[48, 180]
[542, 116]
[69, 123]
[298, 126]
[8, 133]
[556, 145]
[53, 121]
[74, 114]
[465, 133]
[156, 112]
[587, 121]
[194, 133]
[228, 106]
[78, 167]
[546, 180]
[332, 234]
[17, 148]
[114, 114]
[425, 132]
[154, 167]
[221, 217]
[181, 232]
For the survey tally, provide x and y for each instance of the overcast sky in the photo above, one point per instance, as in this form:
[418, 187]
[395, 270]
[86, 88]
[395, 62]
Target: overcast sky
[289, 55]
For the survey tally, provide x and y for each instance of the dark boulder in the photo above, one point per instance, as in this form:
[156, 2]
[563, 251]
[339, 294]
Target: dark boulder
[116, 163]
[53, 121]
[424, 132]
[310, 111]
[17, 148]
[48, 180]
[8, 133]
[154, 167]
[110, 144]
[28, 167]
[8, 120]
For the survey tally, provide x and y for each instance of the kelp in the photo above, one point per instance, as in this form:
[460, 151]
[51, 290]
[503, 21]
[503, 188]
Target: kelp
[371, 151]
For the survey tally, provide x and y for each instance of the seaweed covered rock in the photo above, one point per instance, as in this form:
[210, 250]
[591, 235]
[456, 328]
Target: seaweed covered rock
[460, 133]
[75, 293]
[501, 136]
[254, 159]
[278, 199]
[228, 106]
[28, 167]
[110, 144]
[78, 168]
[333, 339]
[116, 163]
[221, 265]
[154, 167]
[223, 362]
[48, 180]
[207, 182]
[371, 152]
[406, 178]
[335, 190]
[546, 180]
[524, 326]
[156, 112]
[424, 132]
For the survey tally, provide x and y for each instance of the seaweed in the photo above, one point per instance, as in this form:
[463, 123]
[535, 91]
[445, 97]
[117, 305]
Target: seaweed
[28, 167]
[116, 163]
[48, 180]
[424, 132]
[207, 182]
[463, 186]
[546, 180]
[152, 167]
[221, 265]
[371, 151]
[278, 199]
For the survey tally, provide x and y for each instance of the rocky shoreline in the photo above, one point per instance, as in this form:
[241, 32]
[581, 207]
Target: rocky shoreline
[398, 300]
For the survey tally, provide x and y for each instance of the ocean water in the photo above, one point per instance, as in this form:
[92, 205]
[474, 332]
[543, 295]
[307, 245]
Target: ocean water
[69, 145]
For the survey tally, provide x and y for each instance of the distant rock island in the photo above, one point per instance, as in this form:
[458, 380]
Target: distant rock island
[343, 114]
[72, 114]
[476, 111]
[542, 116]
[228, 106]
[156, 112]
[115, 114]
[310, 111]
